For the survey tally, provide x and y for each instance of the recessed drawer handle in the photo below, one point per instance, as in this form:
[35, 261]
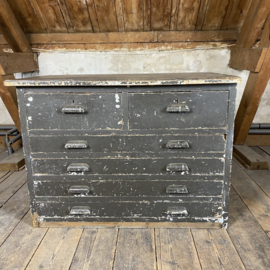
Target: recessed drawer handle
[177, 211]
[76, 144]
[78, 167]
[177, 167]
[176, 189]
[177, 144]
[80, 210]
[78, 189]
[177, 108]
[73, 109]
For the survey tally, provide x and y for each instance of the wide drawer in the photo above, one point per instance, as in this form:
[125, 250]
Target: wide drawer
[205, 109]
[158, 209]
[131, 143]
[128, 188]
[68, 111]
[128, 166]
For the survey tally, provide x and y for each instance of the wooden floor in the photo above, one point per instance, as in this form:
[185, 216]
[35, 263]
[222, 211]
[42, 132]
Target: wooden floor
[245, 245]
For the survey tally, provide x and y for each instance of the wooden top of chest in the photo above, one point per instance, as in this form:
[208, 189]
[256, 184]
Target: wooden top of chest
[126, 80]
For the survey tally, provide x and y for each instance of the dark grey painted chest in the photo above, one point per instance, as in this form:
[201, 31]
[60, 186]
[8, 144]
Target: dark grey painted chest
[114, 150]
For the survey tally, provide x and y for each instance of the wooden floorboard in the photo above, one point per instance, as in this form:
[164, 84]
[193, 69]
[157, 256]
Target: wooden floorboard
[96, 249]
[215, 250]
[265, 149]
[176, 249]
[253, 196]
[245, 245]
[13, 211]
[56, 250]
[135, 250]
[18, 249]
[9, 187]
[261, 152]
[4, 175]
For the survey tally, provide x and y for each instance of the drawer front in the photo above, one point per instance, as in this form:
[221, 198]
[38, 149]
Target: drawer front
[92, 111]
[128, 188]
[114, 209]
[206, 109]
[139, 143]
[139, 166]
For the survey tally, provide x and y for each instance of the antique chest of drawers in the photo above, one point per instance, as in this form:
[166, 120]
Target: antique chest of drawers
[128, 150]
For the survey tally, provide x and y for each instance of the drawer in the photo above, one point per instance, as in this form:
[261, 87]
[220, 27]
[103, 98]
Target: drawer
[180, 110]
[68, 111]
[131, 143]
[157, 209]
[129, 166]
[128, 188]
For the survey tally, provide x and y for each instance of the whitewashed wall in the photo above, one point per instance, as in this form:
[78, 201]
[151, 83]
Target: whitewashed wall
[214, 60]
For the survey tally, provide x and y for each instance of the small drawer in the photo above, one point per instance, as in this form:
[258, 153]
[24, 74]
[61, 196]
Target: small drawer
[180, 110]
[128, 188]
[88, 111]
[132, 166]
[157, 209]
[132, 143]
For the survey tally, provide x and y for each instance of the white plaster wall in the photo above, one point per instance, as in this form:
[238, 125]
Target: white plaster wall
[213, 60]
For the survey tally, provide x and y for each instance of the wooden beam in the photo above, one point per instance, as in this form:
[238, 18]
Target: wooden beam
[139, 46]
[255, 19]
[17, 62]
[8, 100]
[130, 37]
[249, 104]
[11, 29]
[249, 158]
[13, 162]
[247, 59]
[255, 140]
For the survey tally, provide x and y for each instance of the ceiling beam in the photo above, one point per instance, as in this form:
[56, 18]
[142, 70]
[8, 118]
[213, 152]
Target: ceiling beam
[11, 29]
[255, 19]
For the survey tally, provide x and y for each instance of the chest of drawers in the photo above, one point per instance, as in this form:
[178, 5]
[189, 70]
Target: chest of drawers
[128, 150]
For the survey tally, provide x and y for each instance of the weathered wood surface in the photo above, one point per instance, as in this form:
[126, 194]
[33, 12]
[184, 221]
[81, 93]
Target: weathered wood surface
[249, 158]
[12, 212]
[56, 250]
[17, 62]
[13, 162]
[10, 187]
[249, 239]
[96, 250]
[247, 59]
[36, 16]
[142, 243]
[246, 246]
[21, 245]
[252, 140]
[115, 168]
[255, 199]
[215, 12]
[130, 37]
[8, 98]
[126, 79]
[250, 101]
[175, 249]
[11, 29]
[139, 143]
[262, 151]
[255, 19]
[215, 250]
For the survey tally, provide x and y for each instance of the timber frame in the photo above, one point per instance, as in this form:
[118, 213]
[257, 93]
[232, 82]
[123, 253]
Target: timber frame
[22, 60]
[256, 60]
